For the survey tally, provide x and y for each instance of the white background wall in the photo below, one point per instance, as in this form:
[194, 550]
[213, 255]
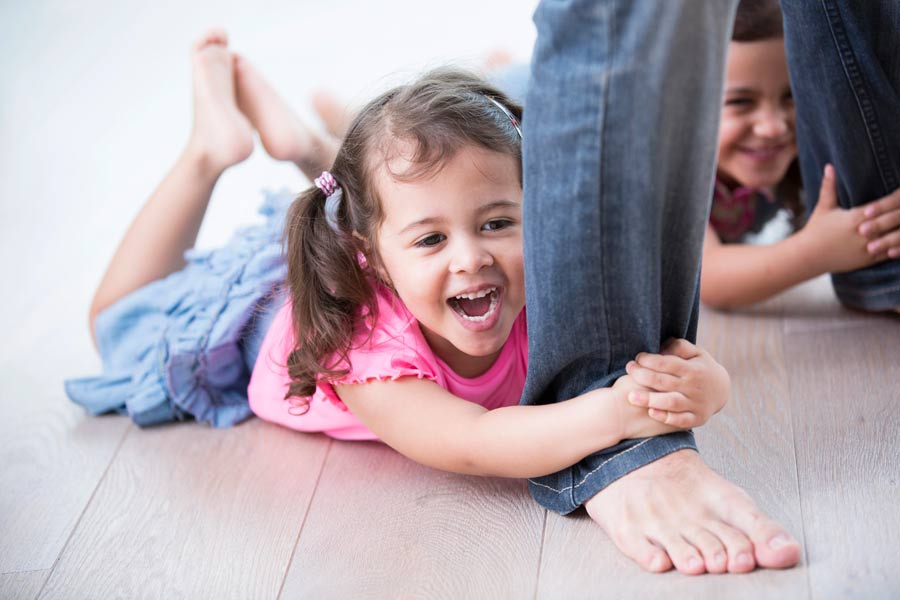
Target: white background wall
[95, 104]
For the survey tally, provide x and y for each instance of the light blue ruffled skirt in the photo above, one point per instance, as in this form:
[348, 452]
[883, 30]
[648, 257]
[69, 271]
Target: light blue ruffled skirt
[184, 346]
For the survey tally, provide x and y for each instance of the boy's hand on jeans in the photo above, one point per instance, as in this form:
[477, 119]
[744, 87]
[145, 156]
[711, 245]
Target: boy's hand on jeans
[686, 385]
[838, 240]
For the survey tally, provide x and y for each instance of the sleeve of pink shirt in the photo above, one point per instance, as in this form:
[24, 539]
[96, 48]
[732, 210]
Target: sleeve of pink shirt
[394, 350]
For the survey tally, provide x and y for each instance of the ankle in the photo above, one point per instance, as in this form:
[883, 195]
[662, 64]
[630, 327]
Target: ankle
[201, 160]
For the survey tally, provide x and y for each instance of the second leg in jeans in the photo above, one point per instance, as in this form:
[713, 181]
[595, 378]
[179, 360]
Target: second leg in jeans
[844, 60]
[619, 154]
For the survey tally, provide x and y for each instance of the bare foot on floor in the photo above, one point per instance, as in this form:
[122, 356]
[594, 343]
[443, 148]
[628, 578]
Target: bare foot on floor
[676, 512]
[221, 134]
[282, 133]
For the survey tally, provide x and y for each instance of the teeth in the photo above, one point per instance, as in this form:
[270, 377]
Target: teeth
[476, 295]
[485, 316]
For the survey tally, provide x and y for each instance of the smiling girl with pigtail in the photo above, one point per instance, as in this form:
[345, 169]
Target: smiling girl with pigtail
[400, 315]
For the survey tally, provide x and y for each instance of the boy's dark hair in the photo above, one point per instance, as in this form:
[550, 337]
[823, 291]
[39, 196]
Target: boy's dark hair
[757, 20]
[332, 272]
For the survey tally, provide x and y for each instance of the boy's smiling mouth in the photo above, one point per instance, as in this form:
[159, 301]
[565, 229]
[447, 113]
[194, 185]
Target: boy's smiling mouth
[476, 307]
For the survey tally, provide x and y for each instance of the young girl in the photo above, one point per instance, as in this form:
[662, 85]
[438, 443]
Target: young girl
[405, 291]
[757, 197]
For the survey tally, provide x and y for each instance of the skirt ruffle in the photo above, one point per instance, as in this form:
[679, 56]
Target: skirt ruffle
[178, 347]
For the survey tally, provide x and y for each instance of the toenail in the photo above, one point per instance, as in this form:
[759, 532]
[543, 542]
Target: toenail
[779, 541]
[657, 563]
[693, 563]
[744, 559]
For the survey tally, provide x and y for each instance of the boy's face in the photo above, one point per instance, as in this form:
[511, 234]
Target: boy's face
[451, 246]
[756, 136]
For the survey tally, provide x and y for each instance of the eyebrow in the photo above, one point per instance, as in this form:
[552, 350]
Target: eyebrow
[741, 90]
[485, 208]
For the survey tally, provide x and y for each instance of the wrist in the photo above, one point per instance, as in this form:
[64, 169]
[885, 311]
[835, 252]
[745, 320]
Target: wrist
[810, 256]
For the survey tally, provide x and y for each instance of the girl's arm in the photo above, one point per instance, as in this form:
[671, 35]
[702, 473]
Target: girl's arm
[833, 240]
[431, 426]
[740, 274]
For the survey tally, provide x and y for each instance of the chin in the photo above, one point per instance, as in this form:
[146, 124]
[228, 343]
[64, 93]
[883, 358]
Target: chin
[768, 179]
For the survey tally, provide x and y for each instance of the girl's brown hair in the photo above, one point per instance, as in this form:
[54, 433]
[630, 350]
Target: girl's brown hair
[758, 20]
[332, 271]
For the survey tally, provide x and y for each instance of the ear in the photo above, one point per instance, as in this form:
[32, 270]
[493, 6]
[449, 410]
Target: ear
[371, 260]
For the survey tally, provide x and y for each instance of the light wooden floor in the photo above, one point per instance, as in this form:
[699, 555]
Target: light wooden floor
[97, 508]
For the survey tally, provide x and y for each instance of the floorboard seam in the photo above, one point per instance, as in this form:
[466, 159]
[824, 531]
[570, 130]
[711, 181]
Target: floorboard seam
[23, 571]
[537, 579]
[312, 498]
[87, 504]
[790, 395]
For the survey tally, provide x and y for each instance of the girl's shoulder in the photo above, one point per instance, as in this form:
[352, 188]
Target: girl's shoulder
[388, 347]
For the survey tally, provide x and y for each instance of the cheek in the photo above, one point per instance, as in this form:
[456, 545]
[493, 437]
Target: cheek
[731, 131]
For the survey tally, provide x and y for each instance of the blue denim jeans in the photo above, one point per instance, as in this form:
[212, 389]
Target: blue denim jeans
[844, 60]
[619, 155]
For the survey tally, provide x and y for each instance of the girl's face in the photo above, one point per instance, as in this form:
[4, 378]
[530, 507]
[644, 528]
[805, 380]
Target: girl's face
[451, 246]
[756, 134]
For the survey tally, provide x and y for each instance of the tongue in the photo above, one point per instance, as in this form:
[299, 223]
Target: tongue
[477, 307]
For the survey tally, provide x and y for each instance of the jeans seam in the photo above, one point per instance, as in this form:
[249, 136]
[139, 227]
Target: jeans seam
[860, 93]
[607, 85]
[597, 468]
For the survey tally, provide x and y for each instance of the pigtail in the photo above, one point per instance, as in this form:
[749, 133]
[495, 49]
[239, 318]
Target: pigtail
[328, 287]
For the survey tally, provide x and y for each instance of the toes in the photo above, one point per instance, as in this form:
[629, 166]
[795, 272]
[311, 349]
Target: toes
[685, 557]
[645, 553]
[773, 547]
[711, 548]
[213, 36]
[738, 547]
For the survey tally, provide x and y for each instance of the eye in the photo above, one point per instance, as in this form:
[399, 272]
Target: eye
[496, 224]
[739, 102]
[431, 240]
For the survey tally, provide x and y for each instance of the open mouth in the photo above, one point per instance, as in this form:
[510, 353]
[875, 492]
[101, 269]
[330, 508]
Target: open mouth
[476, 307]
[765, 153]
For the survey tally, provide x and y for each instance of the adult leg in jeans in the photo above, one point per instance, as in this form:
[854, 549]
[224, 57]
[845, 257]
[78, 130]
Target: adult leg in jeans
[619, 153]
[844, 60]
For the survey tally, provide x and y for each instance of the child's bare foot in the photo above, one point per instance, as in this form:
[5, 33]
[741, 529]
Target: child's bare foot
[221, 136]
[282, 134]
[497, 59]
[334, 114]
[676, 512]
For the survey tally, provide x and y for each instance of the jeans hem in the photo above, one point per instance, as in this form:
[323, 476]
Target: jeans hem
[571, 494]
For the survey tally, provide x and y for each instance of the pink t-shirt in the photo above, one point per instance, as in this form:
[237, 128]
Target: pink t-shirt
[396, 349]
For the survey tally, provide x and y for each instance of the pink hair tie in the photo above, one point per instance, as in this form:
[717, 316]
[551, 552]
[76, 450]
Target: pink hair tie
[326, 183]
[334, 194]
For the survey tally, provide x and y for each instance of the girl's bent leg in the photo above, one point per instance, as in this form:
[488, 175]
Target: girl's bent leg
[844, 60]
[167, 225]
[282, 133]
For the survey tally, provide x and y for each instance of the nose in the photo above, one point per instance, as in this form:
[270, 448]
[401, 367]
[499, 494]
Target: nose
[470, 255]
[772, 123]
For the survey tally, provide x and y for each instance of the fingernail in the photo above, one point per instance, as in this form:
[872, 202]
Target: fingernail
[874, 247]
[693, 563]
[744, 559]
[829, 170]
[633, 397]
[865, 229]
[870, 211]
[894, 252]
[779, 541]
